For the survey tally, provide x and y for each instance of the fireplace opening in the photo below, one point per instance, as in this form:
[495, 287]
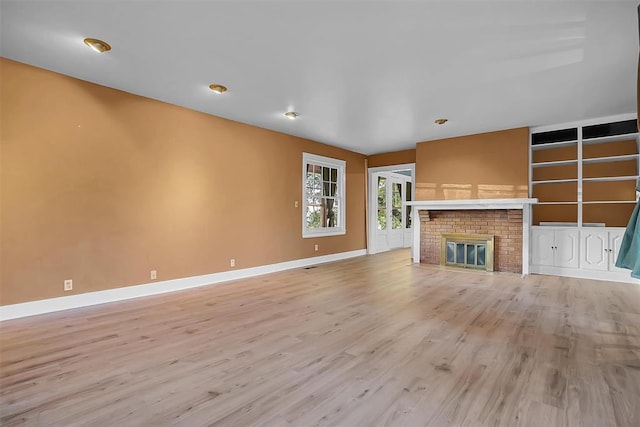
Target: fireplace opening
[467, 251]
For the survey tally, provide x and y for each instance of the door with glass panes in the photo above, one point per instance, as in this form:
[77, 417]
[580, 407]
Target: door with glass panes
[392, 217]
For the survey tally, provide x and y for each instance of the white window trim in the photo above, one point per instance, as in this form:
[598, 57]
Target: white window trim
[333, 163]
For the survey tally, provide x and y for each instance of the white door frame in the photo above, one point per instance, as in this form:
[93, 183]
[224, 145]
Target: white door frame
[372, 197]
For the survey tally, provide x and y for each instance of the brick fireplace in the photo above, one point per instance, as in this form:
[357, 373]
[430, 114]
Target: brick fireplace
[505, 219]
[504, 224]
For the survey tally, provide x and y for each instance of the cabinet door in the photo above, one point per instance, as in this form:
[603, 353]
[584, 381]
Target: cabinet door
[567, 244]
[542, 242]
[594, 254]
[615, 240]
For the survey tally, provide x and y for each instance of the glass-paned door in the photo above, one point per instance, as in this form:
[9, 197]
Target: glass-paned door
[395, 237]
[391, 210]
[382, 203]
[408, 212]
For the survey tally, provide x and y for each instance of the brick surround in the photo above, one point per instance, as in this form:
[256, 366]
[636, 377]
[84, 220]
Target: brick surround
[504, 224]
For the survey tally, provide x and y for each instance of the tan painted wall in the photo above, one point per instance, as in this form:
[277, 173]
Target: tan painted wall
[392, 158]
[101, 186]
[482, 166]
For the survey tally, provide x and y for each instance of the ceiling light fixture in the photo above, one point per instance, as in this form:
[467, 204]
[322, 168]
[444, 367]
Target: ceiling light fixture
[291, 115]
[441, 121]
[219, 89]
[97, 45]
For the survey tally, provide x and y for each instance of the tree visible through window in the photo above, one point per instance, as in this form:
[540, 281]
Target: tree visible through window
[382, 203]
[396, 205]
[323, 196]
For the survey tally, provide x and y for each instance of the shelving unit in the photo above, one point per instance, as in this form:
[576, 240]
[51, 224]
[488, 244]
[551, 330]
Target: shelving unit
[610, 138]
[554, 145]
[557, 203]
[585, 172]
[611, 178]
[554, 181]
[609, 202]
[611, 159]
[584, 176]
[554, 163]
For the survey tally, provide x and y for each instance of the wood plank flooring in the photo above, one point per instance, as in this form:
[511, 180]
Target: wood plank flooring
[371, 341]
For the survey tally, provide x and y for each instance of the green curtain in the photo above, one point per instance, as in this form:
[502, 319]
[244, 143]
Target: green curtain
[629, 255]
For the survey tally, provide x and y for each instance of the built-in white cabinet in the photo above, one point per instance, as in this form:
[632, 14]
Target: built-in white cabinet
[584, 176]
[586, 252]
[615, 241]
[599, 248]
[555, 247]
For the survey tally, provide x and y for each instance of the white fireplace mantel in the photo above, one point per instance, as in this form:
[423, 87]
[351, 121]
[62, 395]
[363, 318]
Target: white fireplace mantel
[472, 204]
[475, 204]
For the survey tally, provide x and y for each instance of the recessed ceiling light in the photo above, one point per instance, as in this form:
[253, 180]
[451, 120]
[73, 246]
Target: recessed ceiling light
[292, 115]
[219, 89]
[441, 121]
[97, 45]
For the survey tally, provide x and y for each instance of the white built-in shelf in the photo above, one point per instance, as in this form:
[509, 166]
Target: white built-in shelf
[593, 202]
[611, 158]
[554, 181]
[554, 145]
[616, 174]
[614, 138]
[611, 178]
[556, 224]
[571, 224]
[557, 203]
[608, 202]
[554, 163]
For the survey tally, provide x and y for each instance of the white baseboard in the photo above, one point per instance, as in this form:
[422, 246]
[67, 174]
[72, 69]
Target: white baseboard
[33, 308]
[612, 276]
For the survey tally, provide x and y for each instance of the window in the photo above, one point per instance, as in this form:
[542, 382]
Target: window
[322, 196]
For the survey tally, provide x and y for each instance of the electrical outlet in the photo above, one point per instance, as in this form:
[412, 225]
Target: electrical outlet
[232, 263]
[153, 274]
[316, 248]
[68, 285]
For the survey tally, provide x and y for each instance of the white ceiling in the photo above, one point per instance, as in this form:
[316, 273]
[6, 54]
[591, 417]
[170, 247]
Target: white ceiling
[367, 76]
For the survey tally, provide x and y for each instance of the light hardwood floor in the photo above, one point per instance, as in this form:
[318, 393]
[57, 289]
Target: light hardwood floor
[369, 341]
